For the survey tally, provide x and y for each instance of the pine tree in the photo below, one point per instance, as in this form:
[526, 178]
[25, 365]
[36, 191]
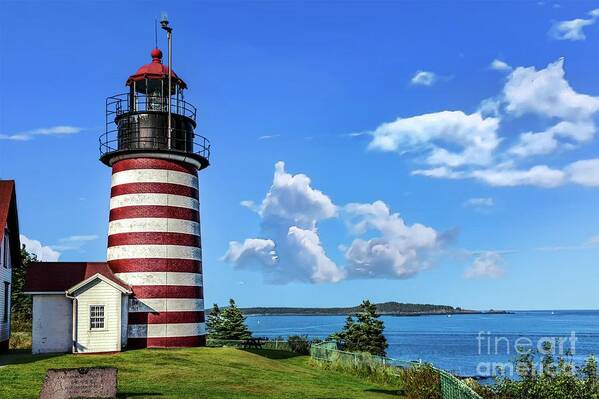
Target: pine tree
[232, 324]
[366, 333]
[214, 323]
[21, 304]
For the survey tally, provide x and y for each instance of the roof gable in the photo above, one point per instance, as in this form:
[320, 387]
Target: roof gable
[97, 277]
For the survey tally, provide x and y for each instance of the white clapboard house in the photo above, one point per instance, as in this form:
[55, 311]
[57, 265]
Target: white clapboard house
[10, 254]
[78, 307]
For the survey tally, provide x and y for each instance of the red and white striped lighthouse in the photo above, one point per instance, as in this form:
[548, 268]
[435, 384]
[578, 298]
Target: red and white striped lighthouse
[154, 242]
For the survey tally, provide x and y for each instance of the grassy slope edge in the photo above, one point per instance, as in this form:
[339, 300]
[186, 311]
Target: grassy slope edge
[195, 372]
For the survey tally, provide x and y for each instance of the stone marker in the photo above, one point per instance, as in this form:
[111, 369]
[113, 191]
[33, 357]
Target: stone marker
[86, 382]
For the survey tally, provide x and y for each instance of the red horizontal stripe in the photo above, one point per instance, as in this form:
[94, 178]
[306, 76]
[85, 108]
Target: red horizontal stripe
[167, 291]
[153, 188]
[154, 211]
[169, 342]
[166, 317]
[150, 238]
[153, 163]
[155, 265]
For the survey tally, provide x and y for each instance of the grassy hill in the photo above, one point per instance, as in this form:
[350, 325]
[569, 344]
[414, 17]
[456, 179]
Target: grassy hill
[193, 373]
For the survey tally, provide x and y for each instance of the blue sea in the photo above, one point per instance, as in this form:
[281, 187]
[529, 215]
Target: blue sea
[469, 345]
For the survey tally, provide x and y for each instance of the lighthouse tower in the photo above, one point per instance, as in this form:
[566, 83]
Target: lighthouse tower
[154, 240]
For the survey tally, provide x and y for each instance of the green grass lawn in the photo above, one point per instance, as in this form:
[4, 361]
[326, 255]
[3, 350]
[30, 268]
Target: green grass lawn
[197, 373]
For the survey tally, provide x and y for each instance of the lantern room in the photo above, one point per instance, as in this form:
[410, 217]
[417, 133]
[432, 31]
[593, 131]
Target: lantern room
[152, 120]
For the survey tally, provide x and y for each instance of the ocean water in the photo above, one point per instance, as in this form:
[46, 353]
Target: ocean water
[469, 345]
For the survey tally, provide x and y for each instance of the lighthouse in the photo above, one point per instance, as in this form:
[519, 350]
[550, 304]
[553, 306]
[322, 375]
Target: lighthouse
[154, 239]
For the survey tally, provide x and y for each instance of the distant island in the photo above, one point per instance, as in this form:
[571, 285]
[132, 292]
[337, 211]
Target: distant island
[385, 308]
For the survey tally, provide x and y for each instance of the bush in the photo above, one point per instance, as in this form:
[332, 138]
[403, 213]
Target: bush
[558, 378]
[362, 365]
[299, 344]
[421, 382]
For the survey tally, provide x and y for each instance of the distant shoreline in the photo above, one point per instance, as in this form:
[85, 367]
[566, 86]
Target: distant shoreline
[384, 309]
[410, 314]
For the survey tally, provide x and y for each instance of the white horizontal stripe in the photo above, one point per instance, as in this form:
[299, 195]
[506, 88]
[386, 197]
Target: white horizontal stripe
[154, 176]
[161, 278]
[166, 305]
[166, 330]
[154, 199]
[160, 225]
[154, 251]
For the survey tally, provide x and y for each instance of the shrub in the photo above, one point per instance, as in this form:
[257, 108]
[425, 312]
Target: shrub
[362, 365]
[421, 382]
[299, 344]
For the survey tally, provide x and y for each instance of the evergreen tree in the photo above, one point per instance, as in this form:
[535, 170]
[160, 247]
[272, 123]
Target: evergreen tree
[364, 334]
[214, 323]
[21, 304]
[232, 325]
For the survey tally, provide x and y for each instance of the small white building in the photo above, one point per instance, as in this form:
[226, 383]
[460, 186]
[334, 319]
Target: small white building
[10, 255]
[79, 307]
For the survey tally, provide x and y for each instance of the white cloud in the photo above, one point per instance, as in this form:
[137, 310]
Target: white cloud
[44, 253]
[269, 136]
[291, 249]
[499, 65]
[531, 143]
[480, 202]
[546, 92]
[399, 250]
[252, 250]
[584, 172]
[44, 131]
[573, 29]
[424, 78]
[540, 175]
[442, 172]
[292, 200]
[486, 265]
[289, 215]
[474, 133]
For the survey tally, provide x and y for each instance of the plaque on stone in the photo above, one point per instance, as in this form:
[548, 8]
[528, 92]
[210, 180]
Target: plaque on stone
[86, 382]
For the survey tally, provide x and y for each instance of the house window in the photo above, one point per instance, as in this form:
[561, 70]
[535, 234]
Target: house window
[96, 317]
[6, 299]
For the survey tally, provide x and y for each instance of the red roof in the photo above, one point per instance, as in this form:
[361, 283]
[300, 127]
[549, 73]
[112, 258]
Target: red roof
[155, 70]
[60, 276]
[9, 216]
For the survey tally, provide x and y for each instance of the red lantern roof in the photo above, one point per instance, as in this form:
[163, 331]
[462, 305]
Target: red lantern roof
[155, 70]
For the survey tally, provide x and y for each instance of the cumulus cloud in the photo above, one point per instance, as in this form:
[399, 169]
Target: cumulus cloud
[44, 253]
[398, 250]
[585, 172]
[537, 143]
[486, 265]
[458, 145]
[475, 134]
[499, 65]
[423, 78]
[546, 92]
[44, 131]
[573, 29]
[289, 216]
[291, 249]
[252, 250]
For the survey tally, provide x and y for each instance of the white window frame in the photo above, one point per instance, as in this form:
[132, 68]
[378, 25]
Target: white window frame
[6, 250]
[6, 303]
[96, 318]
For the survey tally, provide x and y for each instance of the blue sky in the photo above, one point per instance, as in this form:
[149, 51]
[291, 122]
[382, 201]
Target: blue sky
[434, 152]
